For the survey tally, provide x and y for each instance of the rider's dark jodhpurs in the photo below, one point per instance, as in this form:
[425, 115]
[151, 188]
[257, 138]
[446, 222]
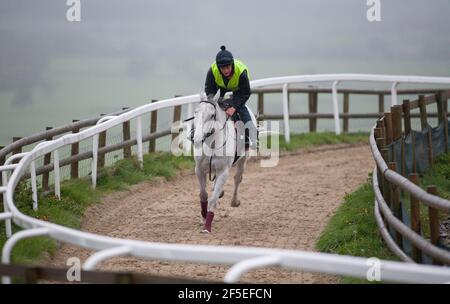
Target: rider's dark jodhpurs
[250, 128]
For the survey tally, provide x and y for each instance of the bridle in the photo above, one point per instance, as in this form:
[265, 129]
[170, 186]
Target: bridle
[213, 130]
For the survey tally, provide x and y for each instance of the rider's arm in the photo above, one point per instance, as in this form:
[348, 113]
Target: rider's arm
[210, 84]
[241, 96]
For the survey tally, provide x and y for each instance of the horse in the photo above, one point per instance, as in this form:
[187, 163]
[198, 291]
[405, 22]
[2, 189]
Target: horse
[214, 140]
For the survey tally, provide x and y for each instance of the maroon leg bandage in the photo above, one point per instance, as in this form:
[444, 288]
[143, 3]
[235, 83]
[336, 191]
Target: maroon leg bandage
[209, 219]
[204, 208]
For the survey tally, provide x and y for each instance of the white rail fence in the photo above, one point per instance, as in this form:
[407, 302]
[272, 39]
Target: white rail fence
[243, 259]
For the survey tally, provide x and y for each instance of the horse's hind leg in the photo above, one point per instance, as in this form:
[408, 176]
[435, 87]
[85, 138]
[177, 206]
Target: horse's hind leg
[212, 203]
[203, 194]
[240, 167]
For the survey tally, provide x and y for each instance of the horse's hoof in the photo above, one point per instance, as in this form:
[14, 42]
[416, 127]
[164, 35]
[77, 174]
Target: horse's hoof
[221, 194]
[206, 231]
[235, 203]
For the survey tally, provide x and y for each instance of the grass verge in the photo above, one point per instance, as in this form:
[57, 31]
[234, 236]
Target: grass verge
[353, 231]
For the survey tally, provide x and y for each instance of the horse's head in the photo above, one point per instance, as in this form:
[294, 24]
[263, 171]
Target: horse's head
[205, 119]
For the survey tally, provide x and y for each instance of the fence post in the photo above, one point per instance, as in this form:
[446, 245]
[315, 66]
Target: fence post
[445, 102]
[381, 104]
[260, 105]
[140, 152]
[388, 130]
[126, 135]
[388, 125]
[346, 109]
[396, 127]
[153, 126]
[406, 107]
[312, 108]
[396, 205]
[415, 218]
[45, 175]
[101, 144]
[287, 132]
[408, 130]
[394, 93]
[440, 107]
[2, 159]
[74, 150]
[176, 116]
[380, 124]
[441, 104]
[424, 125]
[385, 183]
[386, 187]
[397, 134]
[18, 150]
[381, 145]
[396, 122]
[407, 116]
[423, 112]
[334, 94]
[433, 215]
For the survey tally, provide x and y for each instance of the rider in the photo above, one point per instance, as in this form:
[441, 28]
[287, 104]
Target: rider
[229, 74]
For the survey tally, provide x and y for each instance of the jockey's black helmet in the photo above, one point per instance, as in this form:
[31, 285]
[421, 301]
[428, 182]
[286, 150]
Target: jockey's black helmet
[224, 57]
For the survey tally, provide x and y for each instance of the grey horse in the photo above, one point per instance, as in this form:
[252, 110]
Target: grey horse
[214, 152]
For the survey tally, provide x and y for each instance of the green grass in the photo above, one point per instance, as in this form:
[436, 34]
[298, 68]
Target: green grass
[307, 140]
[353, 230]
[77, 195]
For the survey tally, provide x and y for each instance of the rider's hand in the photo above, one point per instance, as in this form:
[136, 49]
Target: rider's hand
[230, 111]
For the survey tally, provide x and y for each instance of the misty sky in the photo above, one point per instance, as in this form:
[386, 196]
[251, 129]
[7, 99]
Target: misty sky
[136, 50]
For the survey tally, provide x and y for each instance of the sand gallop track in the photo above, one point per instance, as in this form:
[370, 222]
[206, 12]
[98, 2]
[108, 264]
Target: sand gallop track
[286, 206]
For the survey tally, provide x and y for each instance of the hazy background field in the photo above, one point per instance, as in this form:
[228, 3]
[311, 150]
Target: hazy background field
[125, 53]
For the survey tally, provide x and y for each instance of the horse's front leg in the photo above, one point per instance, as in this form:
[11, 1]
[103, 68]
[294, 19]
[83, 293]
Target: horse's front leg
[235, 202]
[201, 176]
[221, 178]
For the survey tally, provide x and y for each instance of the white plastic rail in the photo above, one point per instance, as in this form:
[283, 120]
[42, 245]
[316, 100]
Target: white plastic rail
[105, 254]
[95, 151]
[238, 269]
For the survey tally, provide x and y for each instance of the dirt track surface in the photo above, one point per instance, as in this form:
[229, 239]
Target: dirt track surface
[286, 206]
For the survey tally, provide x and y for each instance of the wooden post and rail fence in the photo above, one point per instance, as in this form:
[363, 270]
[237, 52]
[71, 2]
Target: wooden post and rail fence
[388, 129]
[125, 145]
[392, 181]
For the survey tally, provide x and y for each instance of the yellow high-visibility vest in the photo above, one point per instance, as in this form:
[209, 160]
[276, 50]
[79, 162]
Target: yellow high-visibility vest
[233, 83]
